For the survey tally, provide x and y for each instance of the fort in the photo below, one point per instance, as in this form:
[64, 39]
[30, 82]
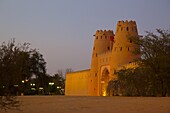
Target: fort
[110, 53]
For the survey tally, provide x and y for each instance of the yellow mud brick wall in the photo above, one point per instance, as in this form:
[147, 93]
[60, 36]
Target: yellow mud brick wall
[77, 83]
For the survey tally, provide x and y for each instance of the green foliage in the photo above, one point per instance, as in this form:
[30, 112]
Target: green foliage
[152, 76]
[113, 88]
[135, 82]
[18, 63]
[59, 83]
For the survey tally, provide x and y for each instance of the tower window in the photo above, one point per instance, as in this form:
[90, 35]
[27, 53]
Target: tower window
[101, 37]
[95, 74]
[128, 49]
[93, 48]
[121, 28]
[96, 37]
[130, 41]
[120, 48]
[96, 54]
[108, 48]
[127, 29]
[105, 37]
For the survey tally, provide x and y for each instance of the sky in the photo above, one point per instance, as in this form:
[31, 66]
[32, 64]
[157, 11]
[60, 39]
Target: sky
[62, 30]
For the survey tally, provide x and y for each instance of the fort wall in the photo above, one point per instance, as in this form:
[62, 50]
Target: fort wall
[77, 83]
[111, 52]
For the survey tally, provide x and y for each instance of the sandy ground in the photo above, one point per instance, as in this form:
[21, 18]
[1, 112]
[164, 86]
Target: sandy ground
[67, 104]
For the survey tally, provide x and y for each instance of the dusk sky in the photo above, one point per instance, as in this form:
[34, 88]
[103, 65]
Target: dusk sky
[63, 30]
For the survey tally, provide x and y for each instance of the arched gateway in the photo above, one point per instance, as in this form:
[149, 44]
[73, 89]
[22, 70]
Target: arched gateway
[104, 82]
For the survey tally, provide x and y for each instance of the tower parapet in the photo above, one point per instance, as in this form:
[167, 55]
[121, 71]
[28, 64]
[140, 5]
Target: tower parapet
[102, 40]
[104, 32]
[126, 26]
[123, 48]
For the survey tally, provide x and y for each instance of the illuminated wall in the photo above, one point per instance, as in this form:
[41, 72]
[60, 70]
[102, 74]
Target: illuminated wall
[123, 48]
[77, 83]
[110, 53]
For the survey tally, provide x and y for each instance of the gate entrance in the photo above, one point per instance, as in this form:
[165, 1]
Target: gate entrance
[104, 82]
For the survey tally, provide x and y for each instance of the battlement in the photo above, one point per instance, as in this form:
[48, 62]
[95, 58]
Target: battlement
[131, 22]
[126, 26]
[104, 32]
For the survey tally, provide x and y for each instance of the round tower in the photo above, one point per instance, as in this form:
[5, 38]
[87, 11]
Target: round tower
[122, 52]
[102, 43]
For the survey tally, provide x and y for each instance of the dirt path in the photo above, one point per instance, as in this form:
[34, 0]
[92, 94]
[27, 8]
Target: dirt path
[63, 104]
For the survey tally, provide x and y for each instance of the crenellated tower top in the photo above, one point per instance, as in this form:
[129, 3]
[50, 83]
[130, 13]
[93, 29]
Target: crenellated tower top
[126, 26]
[104, 32]
[124, 46]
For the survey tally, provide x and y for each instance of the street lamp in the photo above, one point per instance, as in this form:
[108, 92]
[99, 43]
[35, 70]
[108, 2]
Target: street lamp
[24, 86]
[32, 84]
[51, 83]
[22, 81]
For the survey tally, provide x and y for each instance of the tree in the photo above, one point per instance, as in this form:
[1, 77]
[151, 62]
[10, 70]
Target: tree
[57, 82]
[152, 77]
[10, 72]
[135, 81]
[38, 68]
[68, 70]
[18, 63]
[113, 88]
[155, 50]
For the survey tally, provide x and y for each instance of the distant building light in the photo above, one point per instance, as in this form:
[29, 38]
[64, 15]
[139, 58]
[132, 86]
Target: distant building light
[51, 83]
[16, 85]
[32, 84]
[41, 88]
[32, 88]
[58, 87]
[22, 81]
[26, 80]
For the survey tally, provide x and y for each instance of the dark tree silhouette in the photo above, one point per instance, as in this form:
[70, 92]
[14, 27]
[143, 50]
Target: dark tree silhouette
[18, 63]
[152, 76]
